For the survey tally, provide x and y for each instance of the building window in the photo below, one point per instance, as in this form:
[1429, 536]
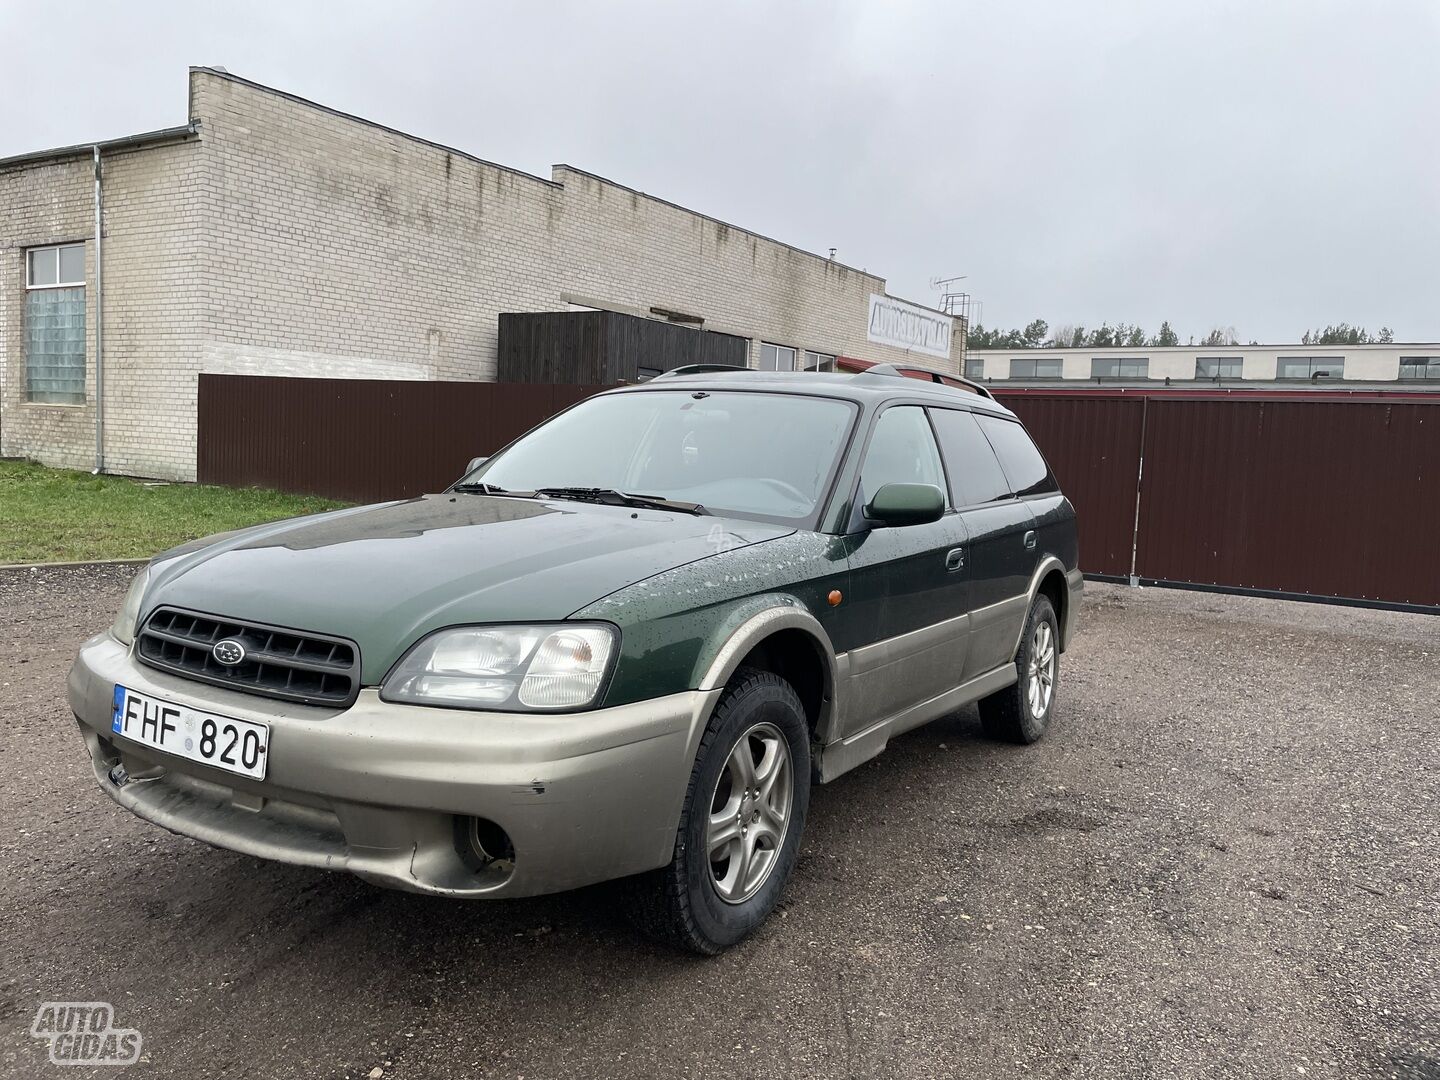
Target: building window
[1030, 368]
[776, 357]
[819, 361]
[55, 325]
[975, 369]
[1218, 367]
[1310, 367]
[1420, 367]
[1119, 367]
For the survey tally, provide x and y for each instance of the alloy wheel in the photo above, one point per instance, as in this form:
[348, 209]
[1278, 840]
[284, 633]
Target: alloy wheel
[749, 813]
[1040, 675]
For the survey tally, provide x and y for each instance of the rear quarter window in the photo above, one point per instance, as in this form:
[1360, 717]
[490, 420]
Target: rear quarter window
[1024, 467]
[974, 473]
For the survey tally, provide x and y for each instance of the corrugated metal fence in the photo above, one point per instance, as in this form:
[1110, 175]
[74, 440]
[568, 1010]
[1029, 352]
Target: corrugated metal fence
[1286, 494]
[1273, 493]
[363, 440]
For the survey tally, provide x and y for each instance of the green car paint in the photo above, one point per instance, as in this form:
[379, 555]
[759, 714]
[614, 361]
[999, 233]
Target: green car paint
[385, 576]
[674, 624]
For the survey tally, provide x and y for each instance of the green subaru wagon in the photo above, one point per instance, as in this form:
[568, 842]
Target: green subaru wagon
[623, 647]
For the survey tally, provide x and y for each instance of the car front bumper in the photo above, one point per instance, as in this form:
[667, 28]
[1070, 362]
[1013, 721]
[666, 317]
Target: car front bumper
[389, 792]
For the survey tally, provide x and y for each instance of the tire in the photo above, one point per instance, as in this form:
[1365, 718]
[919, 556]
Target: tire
[706, 906]
[1021, 713]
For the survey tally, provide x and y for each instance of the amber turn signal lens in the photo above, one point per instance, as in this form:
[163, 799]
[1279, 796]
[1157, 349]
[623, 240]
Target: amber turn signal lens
[835, 597]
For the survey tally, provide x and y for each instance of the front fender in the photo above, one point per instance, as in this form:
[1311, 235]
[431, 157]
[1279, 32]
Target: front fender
[691, 626]
[750, 623]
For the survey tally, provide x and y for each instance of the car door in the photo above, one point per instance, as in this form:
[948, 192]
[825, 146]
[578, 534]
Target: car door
[1000, 548]
[906, 595]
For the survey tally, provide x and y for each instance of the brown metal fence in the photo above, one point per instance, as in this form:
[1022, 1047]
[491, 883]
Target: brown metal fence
[362, 440]
[1093, 445]
[1305, 496]
[1289, 494]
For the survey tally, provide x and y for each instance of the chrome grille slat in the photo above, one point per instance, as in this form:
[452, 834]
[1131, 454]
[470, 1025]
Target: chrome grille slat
[293, 665]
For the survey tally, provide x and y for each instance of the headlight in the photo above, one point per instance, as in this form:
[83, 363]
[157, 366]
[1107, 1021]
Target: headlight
[510, 668]
[124, 625]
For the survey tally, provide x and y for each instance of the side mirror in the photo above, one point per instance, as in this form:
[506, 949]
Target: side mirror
[475, 463]
[895, 505]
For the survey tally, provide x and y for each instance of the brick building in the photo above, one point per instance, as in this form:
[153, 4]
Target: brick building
[271, 235]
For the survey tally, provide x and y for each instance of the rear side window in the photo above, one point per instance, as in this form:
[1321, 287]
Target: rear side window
[975, 475]
[1024, 467]
[902, 451]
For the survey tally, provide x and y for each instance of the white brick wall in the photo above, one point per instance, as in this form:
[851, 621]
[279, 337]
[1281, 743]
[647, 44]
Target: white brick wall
[289, 239]
[154, 300]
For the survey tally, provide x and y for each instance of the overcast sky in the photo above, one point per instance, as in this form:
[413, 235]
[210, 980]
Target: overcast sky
[1268, 166]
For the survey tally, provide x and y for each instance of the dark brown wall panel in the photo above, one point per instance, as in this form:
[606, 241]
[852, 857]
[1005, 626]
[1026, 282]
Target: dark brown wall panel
[1336, 499]
[359, 439]
[1093, 447]
[604, 347]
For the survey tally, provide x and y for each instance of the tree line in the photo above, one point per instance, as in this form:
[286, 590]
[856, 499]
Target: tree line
[1038, 335]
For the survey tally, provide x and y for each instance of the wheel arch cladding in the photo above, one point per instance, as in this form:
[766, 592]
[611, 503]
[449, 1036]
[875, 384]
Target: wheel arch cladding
[795, 655]
[783, 637]
[1054, 587]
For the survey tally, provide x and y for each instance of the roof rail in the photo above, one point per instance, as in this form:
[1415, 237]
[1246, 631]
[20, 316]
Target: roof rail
[699, 369]
[944, 378]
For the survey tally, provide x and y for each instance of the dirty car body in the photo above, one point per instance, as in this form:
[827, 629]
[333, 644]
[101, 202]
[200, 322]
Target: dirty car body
[523, 684]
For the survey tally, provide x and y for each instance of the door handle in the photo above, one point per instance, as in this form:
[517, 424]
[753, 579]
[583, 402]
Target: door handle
[1030, 540]
[954, 559]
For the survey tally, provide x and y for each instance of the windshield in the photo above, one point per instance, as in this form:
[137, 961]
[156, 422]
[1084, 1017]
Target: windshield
[766, 456]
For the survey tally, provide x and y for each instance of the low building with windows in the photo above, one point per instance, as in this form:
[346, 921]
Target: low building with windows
[1368, 367]
[270, 235]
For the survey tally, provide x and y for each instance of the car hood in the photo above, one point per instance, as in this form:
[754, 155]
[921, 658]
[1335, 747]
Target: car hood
[386, 575]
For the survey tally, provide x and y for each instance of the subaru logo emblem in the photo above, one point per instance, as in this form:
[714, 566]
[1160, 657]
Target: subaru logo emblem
[228, 652]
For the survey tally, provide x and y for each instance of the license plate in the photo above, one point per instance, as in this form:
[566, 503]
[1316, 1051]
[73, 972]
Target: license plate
[223, 742]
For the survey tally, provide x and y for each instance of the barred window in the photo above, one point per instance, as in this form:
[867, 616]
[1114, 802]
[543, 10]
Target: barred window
[55, 324]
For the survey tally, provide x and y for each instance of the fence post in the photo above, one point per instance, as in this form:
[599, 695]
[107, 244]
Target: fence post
[1139, 480]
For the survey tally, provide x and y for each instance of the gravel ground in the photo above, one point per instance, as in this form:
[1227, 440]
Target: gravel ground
[1223, 861]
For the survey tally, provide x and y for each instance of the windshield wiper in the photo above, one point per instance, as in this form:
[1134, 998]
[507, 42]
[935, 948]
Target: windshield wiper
[611, 497]
[487, 489]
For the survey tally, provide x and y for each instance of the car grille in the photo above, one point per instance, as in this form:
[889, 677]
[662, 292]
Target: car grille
[287, 664]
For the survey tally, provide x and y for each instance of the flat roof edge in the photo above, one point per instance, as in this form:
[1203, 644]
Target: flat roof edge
[322, 107]
[126, 142]
[729, 225]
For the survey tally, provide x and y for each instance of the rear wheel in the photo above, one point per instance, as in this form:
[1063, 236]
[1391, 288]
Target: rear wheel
[1021, 713]
[740, 827]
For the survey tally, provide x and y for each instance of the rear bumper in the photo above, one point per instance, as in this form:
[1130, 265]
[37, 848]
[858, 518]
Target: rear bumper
[388, 791]
[1076, 582]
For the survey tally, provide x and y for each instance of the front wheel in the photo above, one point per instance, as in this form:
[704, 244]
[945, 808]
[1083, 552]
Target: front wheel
[1021, 713]
[741, 823]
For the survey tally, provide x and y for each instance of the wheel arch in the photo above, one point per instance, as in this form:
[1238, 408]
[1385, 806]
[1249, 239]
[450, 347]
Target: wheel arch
[788, 640]
[1052, 583]
[1049, 579]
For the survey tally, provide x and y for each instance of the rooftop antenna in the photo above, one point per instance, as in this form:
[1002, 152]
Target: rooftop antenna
[955, 303]
[952, 300]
